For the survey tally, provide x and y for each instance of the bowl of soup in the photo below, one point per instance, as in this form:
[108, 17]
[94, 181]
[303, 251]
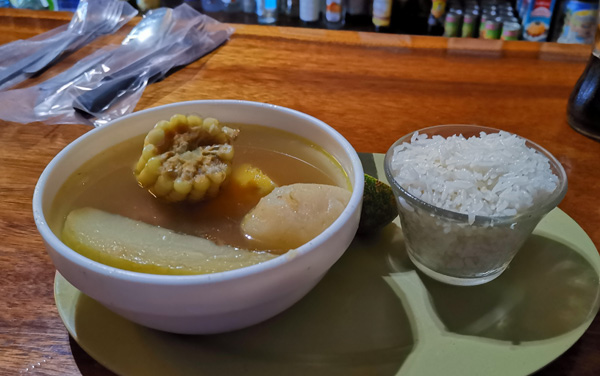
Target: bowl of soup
[180, 254]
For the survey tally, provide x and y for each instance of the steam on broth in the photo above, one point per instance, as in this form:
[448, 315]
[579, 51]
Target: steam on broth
[106, 182]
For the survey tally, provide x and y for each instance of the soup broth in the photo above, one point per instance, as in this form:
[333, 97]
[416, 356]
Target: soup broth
[106, 182]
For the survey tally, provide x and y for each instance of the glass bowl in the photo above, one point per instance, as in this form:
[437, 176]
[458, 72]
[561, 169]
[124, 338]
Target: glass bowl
[453, 247]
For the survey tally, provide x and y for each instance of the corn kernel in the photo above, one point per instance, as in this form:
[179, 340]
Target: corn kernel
[163, 124]
[141, 163]
[194, 121]
[209, 122]
[182, 186]
[155, 136]
[201, 183]
[178, 120]
[217, 177]
[163, 186]
[225, 152]
[147, 177]
[153, 164]
[175, 196]
[149, 151]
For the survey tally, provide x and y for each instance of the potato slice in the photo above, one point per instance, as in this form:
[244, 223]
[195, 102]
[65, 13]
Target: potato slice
[137, 246]
[292, 215]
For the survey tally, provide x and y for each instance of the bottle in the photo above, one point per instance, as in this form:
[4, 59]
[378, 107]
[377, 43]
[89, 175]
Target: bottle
[266, 10]
[33, 4]
[358, 13]
[289, 7]
[335, 13]
[309, 11]
[5, 4]
[146, 5]
[382, 15]
[435, 24]
[67, 5]
[583, 107]
[410, 16]
[213, 6]
[357, 7]
[249, 6]
[232, 6]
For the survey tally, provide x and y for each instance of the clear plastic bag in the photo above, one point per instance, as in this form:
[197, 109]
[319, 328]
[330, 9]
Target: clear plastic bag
[109, 83]
[22, 59]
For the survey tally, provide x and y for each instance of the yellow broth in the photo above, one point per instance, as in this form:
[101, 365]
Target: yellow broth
[106, 182]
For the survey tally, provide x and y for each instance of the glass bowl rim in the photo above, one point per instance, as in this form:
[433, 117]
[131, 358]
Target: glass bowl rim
[543, 208]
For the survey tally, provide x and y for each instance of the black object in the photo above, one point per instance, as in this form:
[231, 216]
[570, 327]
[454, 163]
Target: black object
[122, 82]
[583, 108]
[110, 91]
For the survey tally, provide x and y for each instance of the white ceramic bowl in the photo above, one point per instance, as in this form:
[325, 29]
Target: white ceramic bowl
[211, 303]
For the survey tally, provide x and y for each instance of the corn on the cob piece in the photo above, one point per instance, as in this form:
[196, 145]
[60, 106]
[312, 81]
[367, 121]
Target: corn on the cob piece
[186, 158]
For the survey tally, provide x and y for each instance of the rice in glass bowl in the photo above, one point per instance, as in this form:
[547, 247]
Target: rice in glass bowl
[469, 197]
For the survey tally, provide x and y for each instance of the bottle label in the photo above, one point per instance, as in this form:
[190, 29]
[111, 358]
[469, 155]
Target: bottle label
[333, 10]
[309, 10]
[382, 12]
[270, 4]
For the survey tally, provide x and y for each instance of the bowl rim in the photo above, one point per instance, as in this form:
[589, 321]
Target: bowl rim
[549, 203]
[55, 243]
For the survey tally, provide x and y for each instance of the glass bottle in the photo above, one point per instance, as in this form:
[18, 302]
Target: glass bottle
[310, 11]
[382, 15]
[335, 13]
[33, 4]
[213, 6]
[249, 6]
[233, 6]
[435, 24]
[289, 7]
[266, 10]
[583, 107]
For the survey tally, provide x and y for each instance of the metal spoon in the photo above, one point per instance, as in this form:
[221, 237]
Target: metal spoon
[153, 28]
[55, 95]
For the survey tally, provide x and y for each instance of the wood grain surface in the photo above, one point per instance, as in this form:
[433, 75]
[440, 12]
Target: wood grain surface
[371, 88]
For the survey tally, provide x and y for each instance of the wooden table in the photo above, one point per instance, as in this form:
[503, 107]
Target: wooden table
[372, 88]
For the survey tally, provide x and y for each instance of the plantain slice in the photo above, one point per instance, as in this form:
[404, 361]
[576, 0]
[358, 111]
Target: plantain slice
[128, 244]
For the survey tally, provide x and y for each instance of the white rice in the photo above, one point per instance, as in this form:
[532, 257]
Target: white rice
[490, 175]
